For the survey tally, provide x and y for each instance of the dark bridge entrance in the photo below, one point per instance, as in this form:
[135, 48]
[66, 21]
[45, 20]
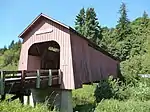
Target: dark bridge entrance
[49, 53]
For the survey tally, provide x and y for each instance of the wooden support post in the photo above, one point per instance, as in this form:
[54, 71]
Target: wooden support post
[38, 79]
[66, 101]
[59, 73]
[22, 79]
[50, 78]
[2, 83]
[22, 87]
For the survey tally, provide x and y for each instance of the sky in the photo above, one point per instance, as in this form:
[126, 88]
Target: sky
[16, 15]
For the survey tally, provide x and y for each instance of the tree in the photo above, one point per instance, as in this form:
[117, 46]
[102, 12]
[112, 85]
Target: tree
[87, 24]
[11, 44]
[123, 27]
[145, 19]
[19, 42]
[80, 22]
[5, 48]
[92, 27]
[2, 50]
[8, 57]
[145, 15]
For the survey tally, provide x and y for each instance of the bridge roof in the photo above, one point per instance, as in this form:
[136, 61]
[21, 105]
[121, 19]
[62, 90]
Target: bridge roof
[41, 15]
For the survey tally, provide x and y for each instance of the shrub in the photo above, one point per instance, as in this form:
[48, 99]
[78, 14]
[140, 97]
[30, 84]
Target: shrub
[84, 95]
[83, 98]
[130, 70]
[123, 106]
[110, 88]
[15, 106]
[139, 92]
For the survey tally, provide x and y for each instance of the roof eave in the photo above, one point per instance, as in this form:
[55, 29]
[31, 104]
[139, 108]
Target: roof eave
[95, 45]
[22, 33]
[39, 16]
[69, 28]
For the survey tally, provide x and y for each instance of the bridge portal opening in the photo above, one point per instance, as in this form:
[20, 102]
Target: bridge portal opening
[47, 53]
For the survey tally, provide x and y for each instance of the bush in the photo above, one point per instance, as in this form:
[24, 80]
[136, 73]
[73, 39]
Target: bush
[110, 88]
[130, 70]
[84, 95]
[15, 106]
[83, 98]
[123, 106]
[139, 92]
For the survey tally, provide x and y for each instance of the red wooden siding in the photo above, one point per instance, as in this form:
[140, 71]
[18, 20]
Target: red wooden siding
[89, 64]
[80, 58]
[101, 65]
[62, 36]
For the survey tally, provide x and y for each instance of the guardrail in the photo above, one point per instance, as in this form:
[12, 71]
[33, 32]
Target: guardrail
[24, 78]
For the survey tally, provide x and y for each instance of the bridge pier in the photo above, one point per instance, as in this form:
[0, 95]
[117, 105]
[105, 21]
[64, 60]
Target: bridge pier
[28, 100]
[66, 101]
[54, 98]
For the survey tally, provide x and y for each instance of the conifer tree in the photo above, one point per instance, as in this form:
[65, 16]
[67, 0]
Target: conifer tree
[145, 19]
[92, 27]
[80, 22]
[11, 44]
[87, 24]
[123, 28]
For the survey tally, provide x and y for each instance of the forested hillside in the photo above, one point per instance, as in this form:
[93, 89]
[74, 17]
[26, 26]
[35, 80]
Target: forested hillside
[129, 42]
[9, 56]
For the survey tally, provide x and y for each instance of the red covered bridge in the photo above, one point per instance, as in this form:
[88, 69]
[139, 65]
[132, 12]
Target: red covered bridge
[49, 44]
[54, 55]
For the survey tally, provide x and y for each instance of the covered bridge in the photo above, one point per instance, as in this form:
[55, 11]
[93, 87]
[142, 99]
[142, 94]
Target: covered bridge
[55, 59]
[50, 44]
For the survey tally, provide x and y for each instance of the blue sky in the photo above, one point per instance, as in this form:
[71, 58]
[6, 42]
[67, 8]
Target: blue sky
[17, 14]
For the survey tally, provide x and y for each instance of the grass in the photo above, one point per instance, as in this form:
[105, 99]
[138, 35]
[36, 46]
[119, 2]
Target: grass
[85, 101]
[137, 100]
[123, 106]
[84, 95]
[15, 106]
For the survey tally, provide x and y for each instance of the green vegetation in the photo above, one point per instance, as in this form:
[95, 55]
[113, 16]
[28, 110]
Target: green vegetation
[17, 107]
[87, 24]
[9, 56]
[123, 106]
[128, 41]
[113, 96]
